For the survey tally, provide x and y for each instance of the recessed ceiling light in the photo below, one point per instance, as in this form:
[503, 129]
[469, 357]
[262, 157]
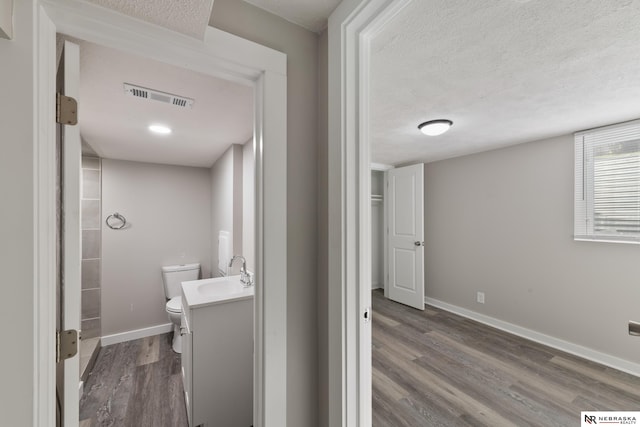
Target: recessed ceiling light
[435, 127]
[160, 129]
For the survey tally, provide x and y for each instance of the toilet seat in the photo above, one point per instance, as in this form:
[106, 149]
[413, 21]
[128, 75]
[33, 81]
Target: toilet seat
[174, 305]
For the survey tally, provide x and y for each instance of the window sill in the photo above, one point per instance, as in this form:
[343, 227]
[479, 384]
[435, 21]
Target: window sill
[604, 240]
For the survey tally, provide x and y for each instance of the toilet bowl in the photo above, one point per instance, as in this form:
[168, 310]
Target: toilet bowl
[174, 311]
[172, 278]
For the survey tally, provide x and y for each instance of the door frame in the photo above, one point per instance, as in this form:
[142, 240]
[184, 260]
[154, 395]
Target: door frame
[381, 167]
[352, 26]
[71, 234]
[222, 55]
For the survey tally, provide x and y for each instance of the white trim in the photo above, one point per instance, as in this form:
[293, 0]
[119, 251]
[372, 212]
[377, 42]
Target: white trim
[557, 343]
[258, 331]
[135, 334]
[380, 167]
[72, 249]
[44, 166]
[605, 240]
[385, 237]
[271, 254]
[223, 55]
[608, 128]
[351, 26]
[586, 145]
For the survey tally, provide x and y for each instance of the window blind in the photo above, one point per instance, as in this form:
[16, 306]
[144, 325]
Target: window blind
[607, 183]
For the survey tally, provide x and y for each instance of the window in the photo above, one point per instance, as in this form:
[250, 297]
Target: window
[607, 183]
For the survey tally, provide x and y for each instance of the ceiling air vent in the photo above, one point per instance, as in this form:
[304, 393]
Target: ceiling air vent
[156, 95]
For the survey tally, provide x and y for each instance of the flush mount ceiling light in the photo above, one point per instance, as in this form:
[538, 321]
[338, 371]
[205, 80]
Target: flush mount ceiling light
[160, 129]
[435, 127]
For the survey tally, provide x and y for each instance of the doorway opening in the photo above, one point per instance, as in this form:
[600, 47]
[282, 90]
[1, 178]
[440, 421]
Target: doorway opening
[221, 55]
[353, 82]
[154, 202]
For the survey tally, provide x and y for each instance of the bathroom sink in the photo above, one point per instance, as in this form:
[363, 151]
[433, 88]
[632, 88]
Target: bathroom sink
[215, 291]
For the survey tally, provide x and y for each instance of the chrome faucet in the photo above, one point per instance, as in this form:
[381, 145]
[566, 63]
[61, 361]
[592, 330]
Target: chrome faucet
[245, 277]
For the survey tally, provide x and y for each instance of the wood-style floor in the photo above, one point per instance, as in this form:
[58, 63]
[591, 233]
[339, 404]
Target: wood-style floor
[430, 368]
[135, 383]
[435, 368]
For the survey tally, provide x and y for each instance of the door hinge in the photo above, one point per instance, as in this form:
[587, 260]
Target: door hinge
[66, 344]
[66, 110]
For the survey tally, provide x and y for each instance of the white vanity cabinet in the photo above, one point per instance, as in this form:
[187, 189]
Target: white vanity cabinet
[187, 374]
[217, 353]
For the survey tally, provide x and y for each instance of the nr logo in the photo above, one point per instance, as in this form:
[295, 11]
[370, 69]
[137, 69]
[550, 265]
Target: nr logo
[590, 419]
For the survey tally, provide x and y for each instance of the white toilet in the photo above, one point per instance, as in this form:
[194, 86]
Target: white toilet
[172, 277]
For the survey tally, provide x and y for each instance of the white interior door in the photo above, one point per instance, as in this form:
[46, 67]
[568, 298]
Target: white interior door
[406, 235]
[69, 236]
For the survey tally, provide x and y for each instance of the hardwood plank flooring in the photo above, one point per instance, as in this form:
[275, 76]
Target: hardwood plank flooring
[135, 383]
[435, 368]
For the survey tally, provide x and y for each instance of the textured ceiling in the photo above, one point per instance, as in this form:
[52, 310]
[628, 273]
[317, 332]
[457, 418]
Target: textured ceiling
[310, 14]
[114, 125]
[504, 71]
[189, 17]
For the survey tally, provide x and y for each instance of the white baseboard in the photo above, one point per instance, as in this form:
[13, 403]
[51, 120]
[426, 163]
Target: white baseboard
[377, 286]
[575, 349]
[81, 389]
[136, 334]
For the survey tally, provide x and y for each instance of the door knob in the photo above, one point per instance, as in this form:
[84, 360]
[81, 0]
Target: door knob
[418, 243]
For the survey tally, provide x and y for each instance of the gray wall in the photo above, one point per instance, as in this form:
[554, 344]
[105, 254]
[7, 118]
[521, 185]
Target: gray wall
[17, 255]
[168, 211]
[501, 222]
[301, 47]
[323, 231]
[226, 203]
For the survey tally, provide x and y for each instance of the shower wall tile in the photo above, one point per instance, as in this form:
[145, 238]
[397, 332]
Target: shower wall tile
[90, 273]
[90, 244]
[91, 163]
[91, 328]
[90, 303]
[90, 184]
[90, 214]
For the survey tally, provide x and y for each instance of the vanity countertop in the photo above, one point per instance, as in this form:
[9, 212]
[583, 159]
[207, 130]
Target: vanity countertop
[217, 290]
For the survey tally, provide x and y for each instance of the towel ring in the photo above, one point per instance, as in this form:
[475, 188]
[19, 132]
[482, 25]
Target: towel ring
[122, 219]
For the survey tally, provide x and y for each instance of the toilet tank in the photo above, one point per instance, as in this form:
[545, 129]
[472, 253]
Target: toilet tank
[174, 275]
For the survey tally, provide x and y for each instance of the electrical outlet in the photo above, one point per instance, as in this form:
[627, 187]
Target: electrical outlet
[480, 297]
